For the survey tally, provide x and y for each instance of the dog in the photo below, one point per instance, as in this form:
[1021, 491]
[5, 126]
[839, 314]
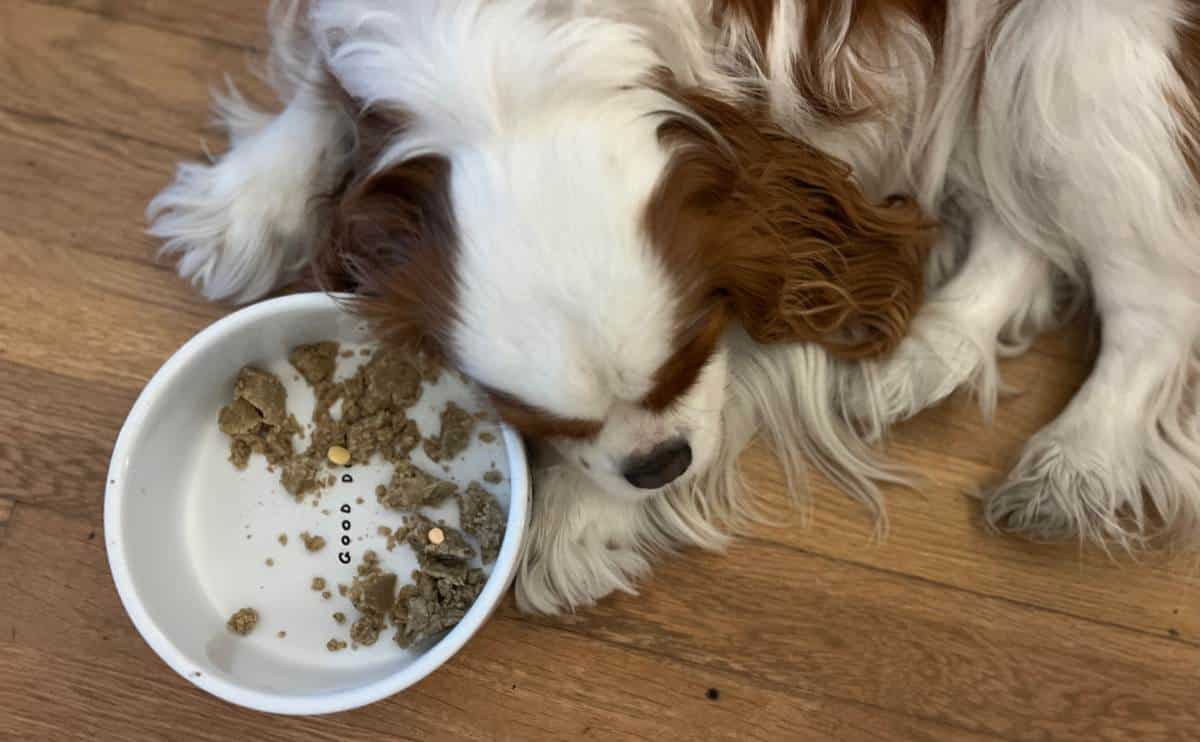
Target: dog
[649, 231]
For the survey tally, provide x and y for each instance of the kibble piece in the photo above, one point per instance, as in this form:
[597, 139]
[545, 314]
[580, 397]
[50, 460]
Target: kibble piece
[270, 562]
[281, 634]
[311, 542]
[339, 455]
[243, 622]
[339, 617]
[493, 477]
[283, 539]
[326, 595]
[318, 583]
[335, 645]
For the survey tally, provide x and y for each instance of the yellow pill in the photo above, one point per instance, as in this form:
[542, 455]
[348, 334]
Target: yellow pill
[436, 536]
[339, 455]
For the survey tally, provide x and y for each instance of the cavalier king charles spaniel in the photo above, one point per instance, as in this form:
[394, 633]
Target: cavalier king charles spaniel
[649, 231]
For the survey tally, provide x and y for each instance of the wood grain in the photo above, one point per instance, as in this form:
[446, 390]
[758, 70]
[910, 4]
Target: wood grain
[76, 67]
[816, 631]
[516, 680]
[224, 24]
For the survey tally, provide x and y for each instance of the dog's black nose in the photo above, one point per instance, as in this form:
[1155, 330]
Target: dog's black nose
[661, 466]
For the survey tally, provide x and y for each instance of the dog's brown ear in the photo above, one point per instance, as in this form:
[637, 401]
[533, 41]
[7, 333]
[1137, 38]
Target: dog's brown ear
[392, 243]
[784, 231]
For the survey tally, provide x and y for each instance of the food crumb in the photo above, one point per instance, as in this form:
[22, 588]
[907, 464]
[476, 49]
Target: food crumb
[339, 455]
[335, 645]
[311, 542]
[454, 436]
[713, 694]
[326, 595]
[281, 634]
[339, 617]
[482, 517]
[487, 437]
[493, 477]
[283, 539]
[318, 583]
[243, 622]
[270, 562]
[383, 531]
[359, 500]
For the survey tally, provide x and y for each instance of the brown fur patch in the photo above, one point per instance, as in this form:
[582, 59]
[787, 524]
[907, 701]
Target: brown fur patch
[538, 423]
[393, 242]
[1186, 59]
[702, 329]
[782, 233]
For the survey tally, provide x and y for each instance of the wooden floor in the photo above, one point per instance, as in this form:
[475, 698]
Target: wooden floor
[941, 632]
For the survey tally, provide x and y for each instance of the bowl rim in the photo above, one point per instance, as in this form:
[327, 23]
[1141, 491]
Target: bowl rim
[503, 570]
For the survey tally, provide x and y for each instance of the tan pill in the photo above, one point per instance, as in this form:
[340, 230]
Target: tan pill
[339, 455]
[436, 536]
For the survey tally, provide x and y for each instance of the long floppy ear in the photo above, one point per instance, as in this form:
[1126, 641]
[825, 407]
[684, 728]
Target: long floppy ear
[784, 231]
[392, 242]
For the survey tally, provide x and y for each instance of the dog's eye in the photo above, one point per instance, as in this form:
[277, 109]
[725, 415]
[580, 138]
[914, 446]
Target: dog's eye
[538, 423]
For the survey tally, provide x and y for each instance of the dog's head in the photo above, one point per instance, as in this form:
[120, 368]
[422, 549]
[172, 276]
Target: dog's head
[582, 257]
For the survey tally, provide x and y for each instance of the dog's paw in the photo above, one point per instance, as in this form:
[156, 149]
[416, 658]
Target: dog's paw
[582, 545]
[234, 231]
[928, 366]
[1069, 490]
[244, 223]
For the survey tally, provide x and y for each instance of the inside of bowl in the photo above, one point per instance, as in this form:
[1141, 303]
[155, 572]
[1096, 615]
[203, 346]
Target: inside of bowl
[203, 540]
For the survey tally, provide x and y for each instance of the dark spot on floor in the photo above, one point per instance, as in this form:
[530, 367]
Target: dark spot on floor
[713, 694]
[91, 535]
[584, 463]
[514, 686]
[1174, 633]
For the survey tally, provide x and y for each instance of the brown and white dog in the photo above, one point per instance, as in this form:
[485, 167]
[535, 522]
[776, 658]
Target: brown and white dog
[649, 230]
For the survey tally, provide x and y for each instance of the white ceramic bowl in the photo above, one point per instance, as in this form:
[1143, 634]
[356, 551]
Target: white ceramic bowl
[189, 536]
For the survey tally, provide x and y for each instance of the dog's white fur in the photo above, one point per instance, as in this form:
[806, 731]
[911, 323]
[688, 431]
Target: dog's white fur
[1068, 176]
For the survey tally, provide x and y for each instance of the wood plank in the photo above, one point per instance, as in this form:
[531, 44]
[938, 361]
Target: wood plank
[79, 314]
[49, 194]
[226, 22]
[56, 436]
[791, 620]
[515, 680]
[938, 536]
[94, 72]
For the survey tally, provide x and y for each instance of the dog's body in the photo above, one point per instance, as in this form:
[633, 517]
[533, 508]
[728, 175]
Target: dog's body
[609, 215]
